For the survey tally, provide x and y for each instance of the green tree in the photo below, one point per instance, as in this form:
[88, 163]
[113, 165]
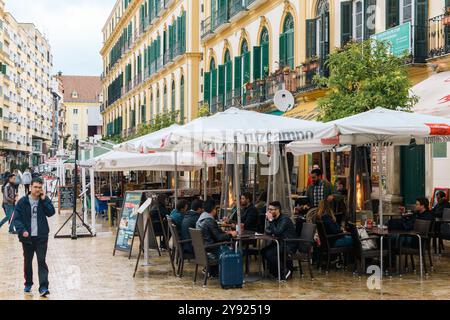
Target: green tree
[364, 76]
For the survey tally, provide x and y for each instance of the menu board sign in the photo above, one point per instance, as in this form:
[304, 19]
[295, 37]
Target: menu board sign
[65, 198]
[129, 218]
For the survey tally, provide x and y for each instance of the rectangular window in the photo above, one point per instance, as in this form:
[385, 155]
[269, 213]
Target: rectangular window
[407, 10]
[359, 21]
[440, 150]
[392, 13]
[75, 111]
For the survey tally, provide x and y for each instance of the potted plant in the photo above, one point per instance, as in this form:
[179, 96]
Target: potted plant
[286, 70]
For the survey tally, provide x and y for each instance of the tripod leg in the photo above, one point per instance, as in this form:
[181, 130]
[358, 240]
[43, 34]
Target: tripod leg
[68, 219]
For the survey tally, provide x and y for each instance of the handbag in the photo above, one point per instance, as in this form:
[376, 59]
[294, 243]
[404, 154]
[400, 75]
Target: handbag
[367, 244]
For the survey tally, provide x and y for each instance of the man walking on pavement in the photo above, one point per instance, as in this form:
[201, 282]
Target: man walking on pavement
[31, 224]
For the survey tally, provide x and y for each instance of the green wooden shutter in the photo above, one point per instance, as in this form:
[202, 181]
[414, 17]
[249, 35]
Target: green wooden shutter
[213, 105]
[256, 63]
[229, 81]
[290, 49]
[171, 44]
[392, 13]
[237, 75]
[207, 88]
[222, 83]
[346, 22]
[179, 32]
[214, 83]
[311, 38]
[265, 59]
[420, 34]
[183, 34]
[246, 67]
[282, 49]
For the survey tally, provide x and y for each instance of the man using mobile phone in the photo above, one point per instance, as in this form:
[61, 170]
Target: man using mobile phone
[30, 220]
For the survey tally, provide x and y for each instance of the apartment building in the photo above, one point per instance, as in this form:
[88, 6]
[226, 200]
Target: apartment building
[25, 97]
[151, 57]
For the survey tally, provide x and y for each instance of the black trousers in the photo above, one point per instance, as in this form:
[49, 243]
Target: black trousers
[38, 246]
[270, 255]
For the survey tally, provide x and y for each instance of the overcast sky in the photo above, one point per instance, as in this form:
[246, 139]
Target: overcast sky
[74, 28]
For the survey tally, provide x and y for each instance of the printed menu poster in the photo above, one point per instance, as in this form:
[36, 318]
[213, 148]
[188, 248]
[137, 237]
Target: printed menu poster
[128, 221]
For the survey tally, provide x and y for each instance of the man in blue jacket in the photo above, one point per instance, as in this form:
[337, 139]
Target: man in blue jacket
[30, 220]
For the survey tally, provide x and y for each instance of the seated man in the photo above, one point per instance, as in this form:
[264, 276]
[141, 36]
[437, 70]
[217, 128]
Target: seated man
[189, 221]
[281, 227]
[249, 213]
[212, 233]
[178, 213]
[442, 203]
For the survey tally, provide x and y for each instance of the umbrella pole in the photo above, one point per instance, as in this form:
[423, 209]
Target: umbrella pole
[83, 182]
[288, 181]
[380, 186]
[205, 168]
[176, 178]
[110, 185]
[274, 189]
[237, 191]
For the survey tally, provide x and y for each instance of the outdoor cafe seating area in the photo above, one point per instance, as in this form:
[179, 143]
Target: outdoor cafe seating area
[370, 237]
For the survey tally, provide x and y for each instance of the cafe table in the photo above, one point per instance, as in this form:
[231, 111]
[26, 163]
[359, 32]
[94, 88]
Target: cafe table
[382, 233]
[251, 235]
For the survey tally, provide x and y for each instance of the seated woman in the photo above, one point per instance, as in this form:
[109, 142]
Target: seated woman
[326, 215]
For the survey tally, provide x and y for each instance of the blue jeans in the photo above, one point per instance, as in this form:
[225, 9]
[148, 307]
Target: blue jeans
[345, 241]
[9, 209]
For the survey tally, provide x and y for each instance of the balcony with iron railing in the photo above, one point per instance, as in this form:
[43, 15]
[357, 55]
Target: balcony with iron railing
[439, 36]
[251, 4]
[263, 91]
[238, 9]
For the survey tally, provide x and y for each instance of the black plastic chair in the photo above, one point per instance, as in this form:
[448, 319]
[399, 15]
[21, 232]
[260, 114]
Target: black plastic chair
[422, 228]
[326, 245]
[178, 255]
[442, 231]
[304, 248]
[200, 252]
[362, 254]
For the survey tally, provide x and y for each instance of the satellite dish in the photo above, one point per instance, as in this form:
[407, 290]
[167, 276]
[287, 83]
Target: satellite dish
[284, 100]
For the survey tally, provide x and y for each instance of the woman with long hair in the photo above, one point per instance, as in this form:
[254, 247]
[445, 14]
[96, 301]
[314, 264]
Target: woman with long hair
[326, 215]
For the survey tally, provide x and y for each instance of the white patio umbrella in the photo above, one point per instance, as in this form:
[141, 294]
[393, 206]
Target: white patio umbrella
[383, 127]
[116, 161]
[152, 141]
[234, 128]
[434, 95]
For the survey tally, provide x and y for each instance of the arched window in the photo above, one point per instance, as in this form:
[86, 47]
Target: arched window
[323, 13]
[287, 42]
[172, 99]
[261, 56]
[144, 111]
[165, 100]
[151, 106]
[210, 86]
[182, 100]
[228, 80]
[158, 102]
[242, 71]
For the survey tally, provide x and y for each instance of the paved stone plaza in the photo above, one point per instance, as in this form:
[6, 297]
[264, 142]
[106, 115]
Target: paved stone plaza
[86, 269]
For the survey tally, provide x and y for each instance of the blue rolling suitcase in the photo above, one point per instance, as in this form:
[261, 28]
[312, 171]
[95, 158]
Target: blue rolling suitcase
[231, 272]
